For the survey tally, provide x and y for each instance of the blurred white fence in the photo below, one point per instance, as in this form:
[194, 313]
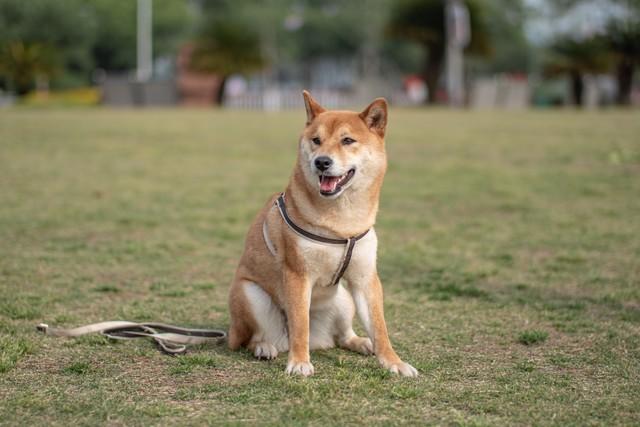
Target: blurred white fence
[492, 93]
[500, 92]
[6, 99]
[284, 99]
[124, 92]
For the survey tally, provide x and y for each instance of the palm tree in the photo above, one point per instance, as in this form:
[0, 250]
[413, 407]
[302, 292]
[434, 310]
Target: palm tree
[623, 38]
[21, 63]
[423, 21]
[576, 58]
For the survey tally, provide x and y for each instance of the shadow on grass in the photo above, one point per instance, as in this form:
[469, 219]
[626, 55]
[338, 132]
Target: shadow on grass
[567, 312]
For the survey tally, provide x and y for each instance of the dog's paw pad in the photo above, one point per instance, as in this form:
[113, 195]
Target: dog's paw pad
[299, 368]
[265, 350]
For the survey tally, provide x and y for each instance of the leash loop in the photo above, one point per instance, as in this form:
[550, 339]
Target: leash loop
[170, 339]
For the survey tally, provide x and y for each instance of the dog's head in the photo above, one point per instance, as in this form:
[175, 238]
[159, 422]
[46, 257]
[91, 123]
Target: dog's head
[343, 151]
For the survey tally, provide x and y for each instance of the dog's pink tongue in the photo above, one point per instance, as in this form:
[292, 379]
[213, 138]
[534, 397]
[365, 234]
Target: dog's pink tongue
[329, 183]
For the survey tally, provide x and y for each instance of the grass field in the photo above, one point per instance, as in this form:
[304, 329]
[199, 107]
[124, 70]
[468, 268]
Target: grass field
[510, 256]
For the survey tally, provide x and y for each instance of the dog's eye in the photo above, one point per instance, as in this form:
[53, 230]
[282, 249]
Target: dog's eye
[316, 140]
[347, 141]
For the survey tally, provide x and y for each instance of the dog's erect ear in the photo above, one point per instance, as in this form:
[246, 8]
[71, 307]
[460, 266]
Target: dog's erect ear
[313, 108]
[375, 116]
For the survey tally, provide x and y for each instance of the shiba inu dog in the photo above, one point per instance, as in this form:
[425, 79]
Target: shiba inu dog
[309, 262]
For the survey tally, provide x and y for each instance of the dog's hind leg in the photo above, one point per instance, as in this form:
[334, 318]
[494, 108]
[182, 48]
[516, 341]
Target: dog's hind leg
[243, 323]
[270, 334]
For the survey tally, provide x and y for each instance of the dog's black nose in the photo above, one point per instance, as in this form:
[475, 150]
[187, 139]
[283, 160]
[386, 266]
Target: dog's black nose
[323, 163]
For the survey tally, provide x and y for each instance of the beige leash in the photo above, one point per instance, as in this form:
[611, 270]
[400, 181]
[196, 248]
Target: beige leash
[171, 339]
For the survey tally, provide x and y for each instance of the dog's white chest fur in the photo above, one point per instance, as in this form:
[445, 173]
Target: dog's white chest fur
[323, 260]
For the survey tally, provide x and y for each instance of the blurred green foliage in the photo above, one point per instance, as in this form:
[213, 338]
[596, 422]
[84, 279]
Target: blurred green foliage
[577, 58]
[226, 41]
[22, 63]
[623, 40]
[423, 22]
[511, 52]
[79, 36]
[615, 49]
[115, 43]
[46, 38]
[64, 41]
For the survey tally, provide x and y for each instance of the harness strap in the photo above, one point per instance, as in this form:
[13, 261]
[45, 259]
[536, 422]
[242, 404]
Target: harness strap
[346, 259]
[171, 339]
[267, 240]
[349, 243]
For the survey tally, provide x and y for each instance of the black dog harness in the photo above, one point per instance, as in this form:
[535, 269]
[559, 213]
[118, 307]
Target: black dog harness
[349, 243]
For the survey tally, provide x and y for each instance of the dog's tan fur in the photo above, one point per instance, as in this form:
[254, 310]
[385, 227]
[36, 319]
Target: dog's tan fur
[284, 302]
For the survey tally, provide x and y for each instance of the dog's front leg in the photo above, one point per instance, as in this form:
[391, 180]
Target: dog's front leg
[297, 304]
[369, 306]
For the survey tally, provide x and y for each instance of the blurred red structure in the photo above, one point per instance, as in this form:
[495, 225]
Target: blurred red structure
[194, 88]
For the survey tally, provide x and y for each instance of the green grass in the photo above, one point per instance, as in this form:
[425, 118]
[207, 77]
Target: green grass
[532, 337]
[187, 363]
[77, 368]
[491, 225]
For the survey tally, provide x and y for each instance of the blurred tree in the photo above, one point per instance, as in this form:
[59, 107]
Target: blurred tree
[227, 42]
[620, 38]
[510, 50]
[115, 45]
[21, 64]
[328, 30]
[35, 35]
[623, 38]
[115, 41]
[423, 21]
[576, 58]
[66, 40]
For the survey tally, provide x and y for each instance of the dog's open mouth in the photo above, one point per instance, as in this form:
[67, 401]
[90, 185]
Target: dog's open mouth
[330, 185]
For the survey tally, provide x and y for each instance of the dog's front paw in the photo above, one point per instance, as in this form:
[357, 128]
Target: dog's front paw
[299, 368]
[401, 368]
